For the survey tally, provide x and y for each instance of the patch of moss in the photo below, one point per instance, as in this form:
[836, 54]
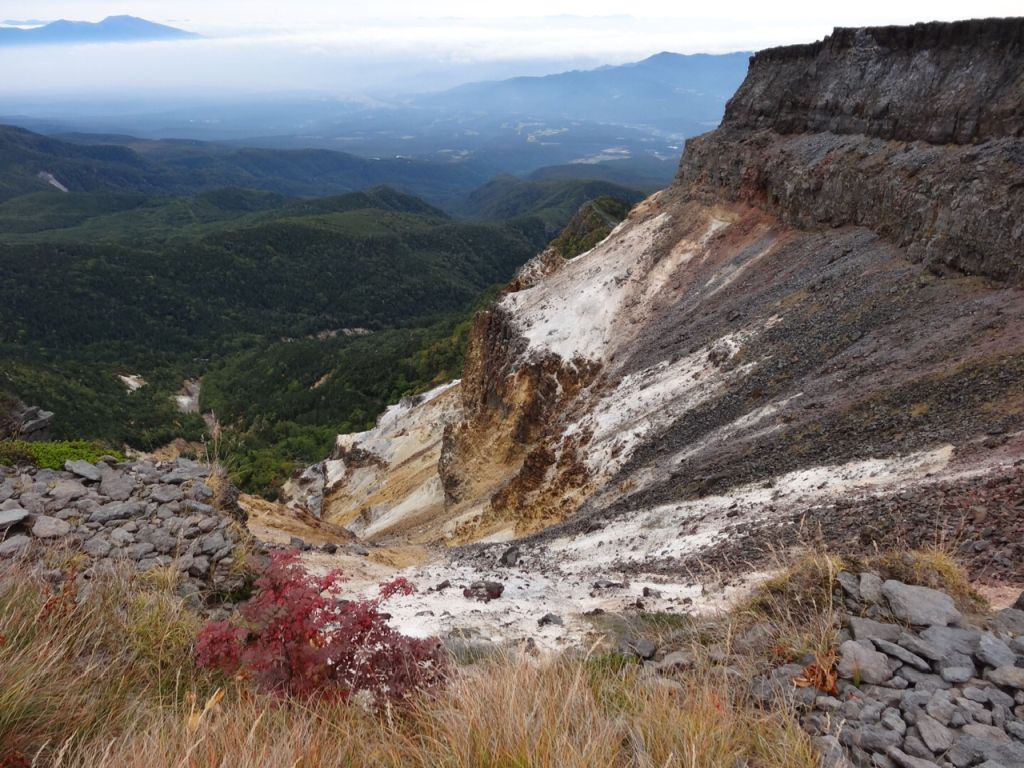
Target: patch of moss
[52, 455]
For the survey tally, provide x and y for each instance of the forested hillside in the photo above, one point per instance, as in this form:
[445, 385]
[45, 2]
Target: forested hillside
[303, 317]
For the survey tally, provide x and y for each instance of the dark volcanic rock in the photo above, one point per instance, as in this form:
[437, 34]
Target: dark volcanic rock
[937, 106]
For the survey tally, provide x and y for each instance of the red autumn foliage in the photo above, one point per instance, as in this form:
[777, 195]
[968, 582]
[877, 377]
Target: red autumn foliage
[298, 636]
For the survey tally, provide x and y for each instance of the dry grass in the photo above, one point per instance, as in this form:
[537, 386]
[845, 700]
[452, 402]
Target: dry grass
[105, 678]
[76, 664]
[508, 713]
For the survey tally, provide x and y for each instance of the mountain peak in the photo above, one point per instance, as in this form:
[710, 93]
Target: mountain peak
[113, 29]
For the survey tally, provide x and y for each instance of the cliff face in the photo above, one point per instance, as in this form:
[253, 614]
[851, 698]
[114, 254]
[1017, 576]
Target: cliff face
[913, 132]
[825, 307]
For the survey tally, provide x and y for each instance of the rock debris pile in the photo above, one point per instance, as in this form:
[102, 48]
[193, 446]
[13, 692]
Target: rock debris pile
[918, 686]
[145, 513]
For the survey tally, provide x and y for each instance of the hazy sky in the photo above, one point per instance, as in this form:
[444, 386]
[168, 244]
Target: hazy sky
[344, 47]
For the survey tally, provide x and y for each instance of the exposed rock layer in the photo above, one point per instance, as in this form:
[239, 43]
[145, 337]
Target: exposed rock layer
[914, 132]
[826, 305]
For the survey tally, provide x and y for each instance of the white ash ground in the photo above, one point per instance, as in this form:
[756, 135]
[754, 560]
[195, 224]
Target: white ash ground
[559, 576]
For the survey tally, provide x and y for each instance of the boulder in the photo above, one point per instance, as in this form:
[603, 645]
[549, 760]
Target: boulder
[115, 485]
[83, 469]
[509, 557]
[12, 517]
[994, 652]
[46, 527]
[119, 510]
[920, 606]
[862, 664]
[485, 591]
[1006, 677]
[14, 545]
[67, 490]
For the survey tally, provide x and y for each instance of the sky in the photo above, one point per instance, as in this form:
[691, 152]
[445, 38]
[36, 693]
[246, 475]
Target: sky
[347, 48]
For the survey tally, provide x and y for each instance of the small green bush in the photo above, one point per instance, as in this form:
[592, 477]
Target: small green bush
[52, 455]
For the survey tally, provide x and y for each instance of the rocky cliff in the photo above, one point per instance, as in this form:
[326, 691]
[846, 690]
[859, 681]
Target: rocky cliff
[913, 132]
[820, 319]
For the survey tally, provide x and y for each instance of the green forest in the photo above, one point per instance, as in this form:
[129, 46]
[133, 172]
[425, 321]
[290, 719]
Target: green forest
[304, 316]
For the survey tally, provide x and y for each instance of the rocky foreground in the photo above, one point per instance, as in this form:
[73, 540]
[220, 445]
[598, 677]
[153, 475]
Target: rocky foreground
[919, 684]
[143, 513]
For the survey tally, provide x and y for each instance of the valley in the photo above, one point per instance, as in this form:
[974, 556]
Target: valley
[537, 457]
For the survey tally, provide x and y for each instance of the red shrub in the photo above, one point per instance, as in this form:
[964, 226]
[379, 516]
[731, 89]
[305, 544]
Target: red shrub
[297, 636]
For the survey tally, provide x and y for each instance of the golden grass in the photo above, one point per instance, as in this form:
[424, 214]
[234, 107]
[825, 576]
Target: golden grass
[508, 713]
[75, 664]
[104, 678]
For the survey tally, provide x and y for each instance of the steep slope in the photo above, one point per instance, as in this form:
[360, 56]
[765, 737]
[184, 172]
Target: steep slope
[825, 309]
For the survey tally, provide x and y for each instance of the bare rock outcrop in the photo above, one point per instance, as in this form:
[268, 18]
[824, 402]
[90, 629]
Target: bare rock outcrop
[913, 132]
[823, 315]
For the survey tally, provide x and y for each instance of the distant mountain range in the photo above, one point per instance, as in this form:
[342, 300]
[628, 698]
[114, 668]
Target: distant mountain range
[669, 91]
[113, 29]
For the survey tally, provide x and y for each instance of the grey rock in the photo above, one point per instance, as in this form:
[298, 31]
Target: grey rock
[6, 490]
[870, 588]
[957, 675]
[197, 507]
[164, 542]
[872, 738]
[509, 557]
[903, 760]
[15, 545]
[210, 544]
[1006, 677]
[924, 681]
[994, 652]
[139, 551]
[201, 490]
[952, 639]
[937, 737]
[920, 606]
[676, 661]
[199, 567]
[83, 469]
[988, 695]
[941, 707]
[641, 648]
[122, 537]
[67, 490]
[913, 745]
[860, 664]
[208, 524]
[985, 732]
[898, 652]
[97, 547]
[878, 760]
[549, 619]
[892, 720]
[1008, 620]
[164, 494]
[868, 629]
[849, 583]
[114, 484]
[11, 517]
[831, 752]
[121, 510]
[50, 527]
